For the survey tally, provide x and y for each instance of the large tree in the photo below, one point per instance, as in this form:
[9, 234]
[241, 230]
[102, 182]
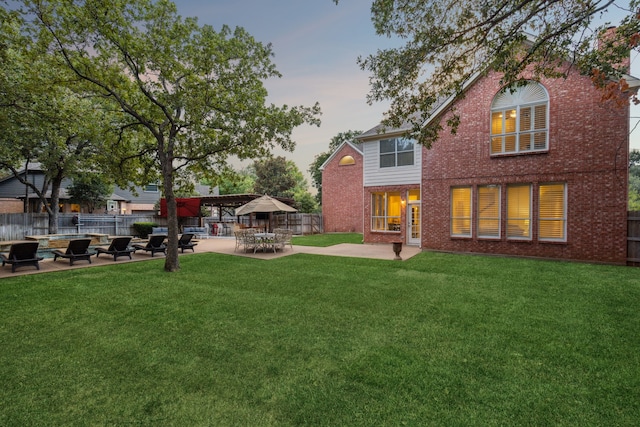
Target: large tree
[192, 95]
[46, 117]
[442, 44]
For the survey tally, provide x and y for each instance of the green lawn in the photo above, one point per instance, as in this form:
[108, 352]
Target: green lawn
[439, 339]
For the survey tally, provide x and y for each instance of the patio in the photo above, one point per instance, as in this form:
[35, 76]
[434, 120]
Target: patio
[226, 245]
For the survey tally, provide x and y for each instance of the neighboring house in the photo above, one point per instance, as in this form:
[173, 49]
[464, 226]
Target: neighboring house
[342, 189]
[122, 201]
[541, 171]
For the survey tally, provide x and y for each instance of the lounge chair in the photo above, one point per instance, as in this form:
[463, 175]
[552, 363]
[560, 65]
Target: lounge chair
[22, 253]
[155, 244]
[119, 247]
[77, 250]
[186, 243]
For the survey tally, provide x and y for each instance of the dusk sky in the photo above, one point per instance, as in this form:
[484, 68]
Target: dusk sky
[316, 44]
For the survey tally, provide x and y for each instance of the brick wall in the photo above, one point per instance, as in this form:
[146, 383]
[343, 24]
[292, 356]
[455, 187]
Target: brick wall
[342, 193]
[588, 150]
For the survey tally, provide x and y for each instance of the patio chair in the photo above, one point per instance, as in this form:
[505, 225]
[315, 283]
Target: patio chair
[77, 250]
[283, 237]
[22, 253]
[186, 243]
[249, 240]
[119, 247]
[155, 244]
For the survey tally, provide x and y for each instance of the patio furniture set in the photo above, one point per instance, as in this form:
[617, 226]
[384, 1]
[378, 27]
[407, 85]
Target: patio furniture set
[26, 253]
[250, 239]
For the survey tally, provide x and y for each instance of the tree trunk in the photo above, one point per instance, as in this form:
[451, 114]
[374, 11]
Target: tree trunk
[171, 262]
[56, 183]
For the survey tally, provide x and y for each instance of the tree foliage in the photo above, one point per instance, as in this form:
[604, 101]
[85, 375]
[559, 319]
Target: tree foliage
[444, 43]
[634, 180]
[39, 112]
[277, 176]
[190, 96]
[89, 189]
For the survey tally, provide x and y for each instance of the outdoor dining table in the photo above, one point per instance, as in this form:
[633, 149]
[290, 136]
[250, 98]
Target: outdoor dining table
[266, 241]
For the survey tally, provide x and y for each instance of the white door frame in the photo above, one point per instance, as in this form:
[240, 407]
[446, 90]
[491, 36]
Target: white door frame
[414, 229]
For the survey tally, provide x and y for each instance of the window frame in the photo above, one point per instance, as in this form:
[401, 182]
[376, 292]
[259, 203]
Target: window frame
[454, 218]
[529, 96]
[563, 218]
[385, 217]
[480, 217]
[148, 188]
[396, 152]
[509, 219]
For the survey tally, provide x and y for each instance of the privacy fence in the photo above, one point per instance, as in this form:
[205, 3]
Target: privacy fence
[15, 226]
[633, 238]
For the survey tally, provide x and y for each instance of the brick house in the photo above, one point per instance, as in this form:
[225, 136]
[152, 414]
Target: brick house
[342, 189]
[541, 171]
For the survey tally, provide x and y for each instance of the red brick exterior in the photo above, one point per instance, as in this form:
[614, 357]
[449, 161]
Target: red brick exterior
[342, 189]
[588, 150]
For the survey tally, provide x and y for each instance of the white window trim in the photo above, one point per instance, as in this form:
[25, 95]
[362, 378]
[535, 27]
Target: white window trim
[395, 153]
[483, 236]
[452, 218]
[517, 100]
[564, 218]
[530, 237]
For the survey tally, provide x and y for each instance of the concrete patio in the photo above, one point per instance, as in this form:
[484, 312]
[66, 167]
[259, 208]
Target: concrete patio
[225, 245]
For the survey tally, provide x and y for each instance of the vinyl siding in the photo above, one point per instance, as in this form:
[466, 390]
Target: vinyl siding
[374, 175]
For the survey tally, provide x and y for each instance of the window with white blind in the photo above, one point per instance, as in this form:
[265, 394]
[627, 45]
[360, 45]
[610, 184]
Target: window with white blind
[396, 152]
[461, 211]
[489, 211]
[552, 216]
[519, 211]
[519, 120]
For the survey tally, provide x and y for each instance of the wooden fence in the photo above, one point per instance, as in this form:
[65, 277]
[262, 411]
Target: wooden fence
[15, 226]
[633, 238]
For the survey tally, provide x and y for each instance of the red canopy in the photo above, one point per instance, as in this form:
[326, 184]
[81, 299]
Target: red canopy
[187, 207]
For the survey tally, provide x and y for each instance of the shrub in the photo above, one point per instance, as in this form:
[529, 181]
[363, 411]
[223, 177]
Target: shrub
[143, 229]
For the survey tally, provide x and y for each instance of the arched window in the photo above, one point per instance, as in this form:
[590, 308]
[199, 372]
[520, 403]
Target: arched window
[347, 160]
[520, 120]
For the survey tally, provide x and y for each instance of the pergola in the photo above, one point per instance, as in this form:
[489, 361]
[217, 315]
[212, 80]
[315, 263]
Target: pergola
[232, 201]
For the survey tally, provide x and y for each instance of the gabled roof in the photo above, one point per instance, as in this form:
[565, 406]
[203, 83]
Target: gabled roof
[353, 144]
[377, 131]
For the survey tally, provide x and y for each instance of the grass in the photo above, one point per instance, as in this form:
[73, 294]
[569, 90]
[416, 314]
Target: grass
[439, 339]
[327, 239]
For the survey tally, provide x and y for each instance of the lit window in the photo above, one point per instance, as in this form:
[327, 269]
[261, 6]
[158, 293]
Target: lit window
[519, 120]
[396, 152]
[347, 160]
[414, 195]
[461, 211]
[553, 213]
[519, 212]
[489, 211]
[386, 210]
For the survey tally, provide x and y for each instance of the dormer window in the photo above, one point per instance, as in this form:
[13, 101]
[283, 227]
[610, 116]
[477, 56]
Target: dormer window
[396, 152]
[519, 120]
